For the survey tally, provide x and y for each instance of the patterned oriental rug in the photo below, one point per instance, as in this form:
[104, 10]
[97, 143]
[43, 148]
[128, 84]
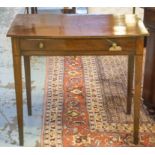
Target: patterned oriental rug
[85, 104]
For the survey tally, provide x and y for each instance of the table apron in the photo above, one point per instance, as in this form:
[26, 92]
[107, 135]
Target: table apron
[75, 53]
[126, 44]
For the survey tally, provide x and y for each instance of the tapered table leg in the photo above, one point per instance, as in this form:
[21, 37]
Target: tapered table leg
[130, 83]
[28, 83]
[137, 95]
[18, 87]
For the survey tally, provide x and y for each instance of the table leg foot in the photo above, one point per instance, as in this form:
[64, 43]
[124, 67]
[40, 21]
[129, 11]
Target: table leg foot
[21, 140]
[136, 139]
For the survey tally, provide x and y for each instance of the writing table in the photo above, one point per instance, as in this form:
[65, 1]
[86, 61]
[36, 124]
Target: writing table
[72, 35]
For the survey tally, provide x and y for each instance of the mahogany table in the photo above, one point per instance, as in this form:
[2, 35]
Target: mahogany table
[72, 35]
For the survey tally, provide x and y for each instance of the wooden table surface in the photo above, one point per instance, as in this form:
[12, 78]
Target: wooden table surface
[60, 35]
[57, 25]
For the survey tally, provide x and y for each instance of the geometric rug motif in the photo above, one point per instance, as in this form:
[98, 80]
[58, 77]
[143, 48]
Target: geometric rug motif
[85, 104]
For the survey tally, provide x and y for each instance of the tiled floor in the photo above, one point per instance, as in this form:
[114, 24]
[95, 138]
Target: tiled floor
[8, 122]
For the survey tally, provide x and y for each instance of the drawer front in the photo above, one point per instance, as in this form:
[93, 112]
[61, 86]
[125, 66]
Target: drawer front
[119, 44]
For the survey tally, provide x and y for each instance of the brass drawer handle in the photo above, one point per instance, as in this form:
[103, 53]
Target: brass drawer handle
[114, 46]
[41, 45]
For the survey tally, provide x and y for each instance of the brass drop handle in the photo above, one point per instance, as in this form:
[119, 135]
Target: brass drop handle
[115, 47]
[41, 45]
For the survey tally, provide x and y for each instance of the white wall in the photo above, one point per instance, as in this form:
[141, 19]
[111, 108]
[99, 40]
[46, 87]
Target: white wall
[114, 10]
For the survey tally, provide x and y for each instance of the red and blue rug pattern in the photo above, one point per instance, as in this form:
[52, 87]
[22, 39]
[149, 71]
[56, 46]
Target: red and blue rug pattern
[85, 103]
